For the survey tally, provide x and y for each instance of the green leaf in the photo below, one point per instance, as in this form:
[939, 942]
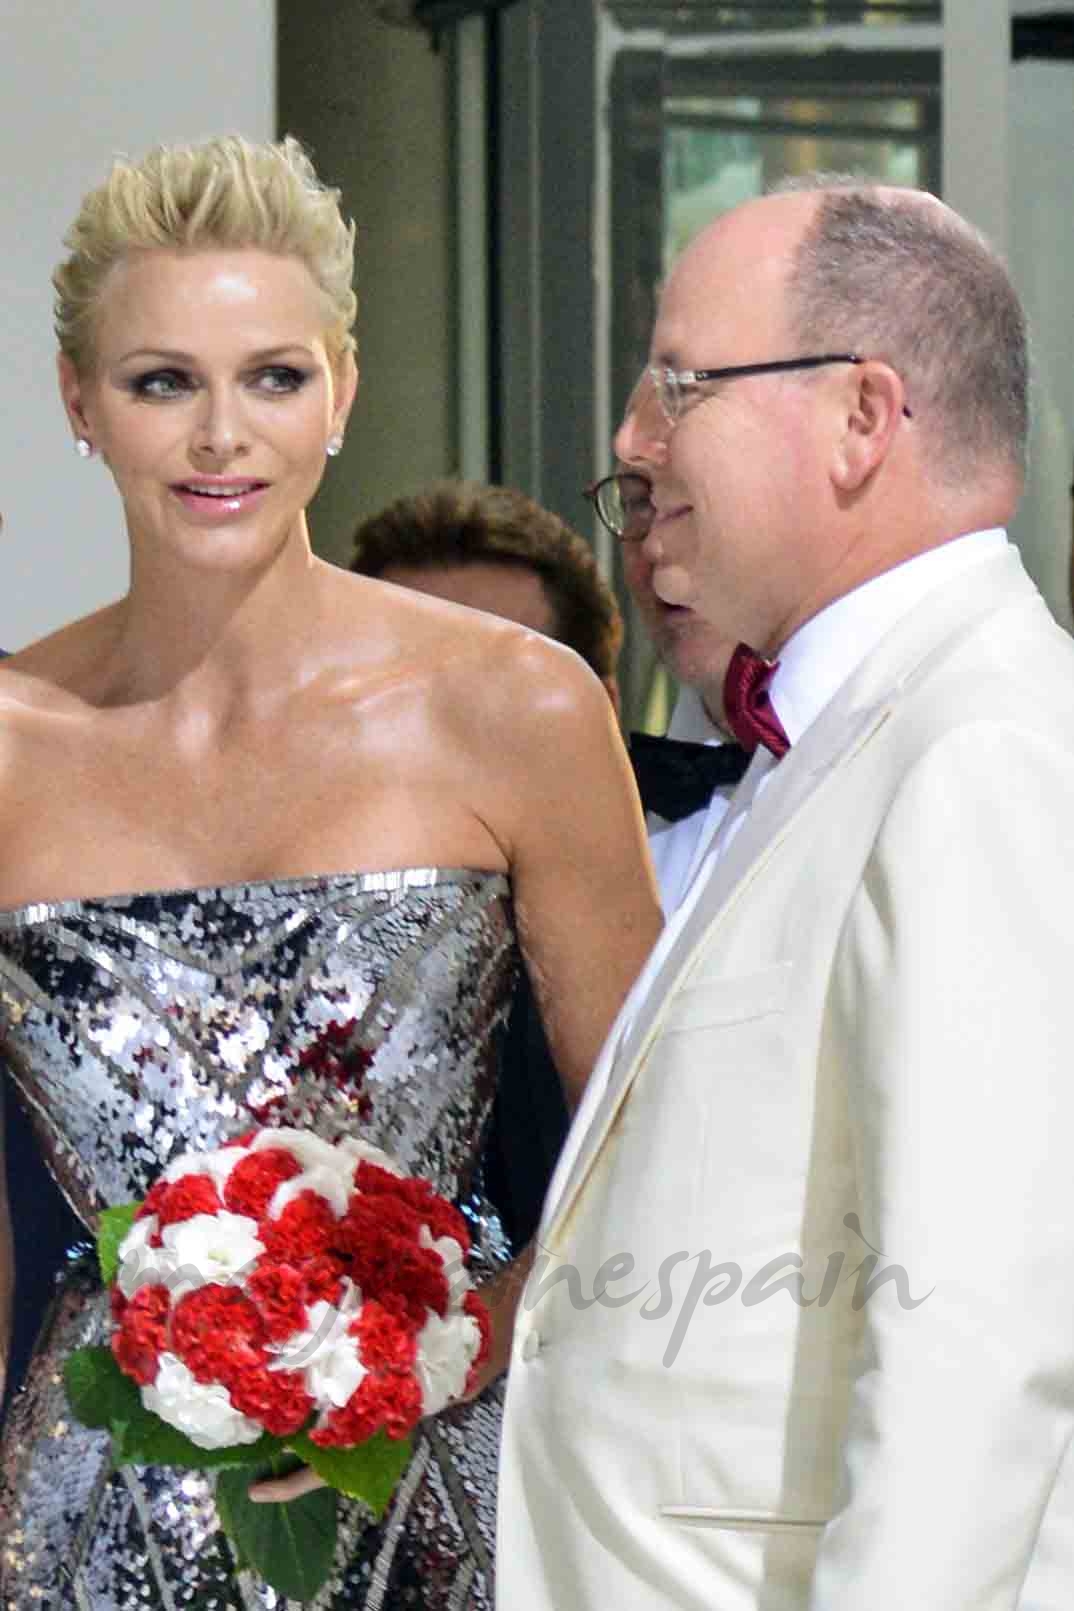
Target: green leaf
[290, 1545]
[97, 1390]
[370, 1471]
[100, 1395]
[112, 1227]
[146, 1440]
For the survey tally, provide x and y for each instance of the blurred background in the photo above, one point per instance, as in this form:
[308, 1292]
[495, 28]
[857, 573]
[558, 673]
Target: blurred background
[522, 172]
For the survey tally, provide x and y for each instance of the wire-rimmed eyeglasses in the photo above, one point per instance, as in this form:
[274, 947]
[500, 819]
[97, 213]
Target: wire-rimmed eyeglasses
[624, 504]
[673, 389]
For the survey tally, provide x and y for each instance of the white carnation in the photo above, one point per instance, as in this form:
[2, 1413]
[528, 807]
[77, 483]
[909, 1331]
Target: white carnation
[310, 1150]
[327, 1183]
[326, 1352]
[141, 1265]
[453, 1258]
[446, 1350]
[216, 1165]
[212, 1247]
[357, 1151]
[205, 1414]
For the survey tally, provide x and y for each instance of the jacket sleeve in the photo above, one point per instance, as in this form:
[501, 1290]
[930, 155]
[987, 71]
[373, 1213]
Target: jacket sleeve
[953, 988]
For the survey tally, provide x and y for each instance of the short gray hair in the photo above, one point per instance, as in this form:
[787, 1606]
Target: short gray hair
[891, 274]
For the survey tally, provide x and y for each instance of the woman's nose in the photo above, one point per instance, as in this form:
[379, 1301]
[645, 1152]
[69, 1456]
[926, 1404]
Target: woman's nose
[220, 433]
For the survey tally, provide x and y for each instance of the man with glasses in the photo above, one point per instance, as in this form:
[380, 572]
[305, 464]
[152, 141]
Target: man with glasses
[800, 1335]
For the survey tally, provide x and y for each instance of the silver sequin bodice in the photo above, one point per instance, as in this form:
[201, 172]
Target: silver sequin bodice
[139, 1027]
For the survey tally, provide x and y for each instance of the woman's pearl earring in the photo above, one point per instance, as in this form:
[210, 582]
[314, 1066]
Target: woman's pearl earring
[334, 444]
[83, 447]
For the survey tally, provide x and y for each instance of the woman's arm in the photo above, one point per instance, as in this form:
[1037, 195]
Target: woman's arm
[570, 824]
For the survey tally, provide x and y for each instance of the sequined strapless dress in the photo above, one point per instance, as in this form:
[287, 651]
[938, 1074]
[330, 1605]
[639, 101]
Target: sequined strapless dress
[140, 1027]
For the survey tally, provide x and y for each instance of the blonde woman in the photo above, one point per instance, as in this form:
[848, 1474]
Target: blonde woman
[256, 798]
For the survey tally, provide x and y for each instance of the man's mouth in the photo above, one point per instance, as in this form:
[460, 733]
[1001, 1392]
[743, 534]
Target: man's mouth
[664, 515]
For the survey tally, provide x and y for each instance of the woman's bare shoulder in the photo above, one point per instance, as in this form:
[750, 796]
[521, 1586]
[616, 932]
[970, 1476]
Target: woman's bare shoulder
[463, 645]
[59, 666]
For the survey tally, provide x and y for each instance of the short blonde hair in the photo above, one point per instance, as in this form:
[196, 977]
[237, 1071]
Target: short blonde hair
[225, 192]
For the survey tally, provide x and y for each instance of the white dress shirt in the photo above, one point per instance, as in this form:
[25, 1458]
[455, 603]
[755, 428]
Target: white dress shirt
[677, 847]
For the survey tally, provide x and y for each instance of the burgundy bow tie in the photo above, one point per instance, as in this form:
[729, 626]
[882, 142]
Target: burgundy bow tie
[746, 704]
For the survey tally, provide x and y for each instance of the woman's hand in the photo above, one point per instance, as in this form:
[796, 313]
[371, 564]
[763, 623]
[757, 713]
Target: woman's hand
[501, 1298]
[279, 1490]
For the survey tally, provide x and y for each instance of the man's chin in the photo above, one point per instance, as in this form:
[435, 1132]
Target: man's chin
[697, 661]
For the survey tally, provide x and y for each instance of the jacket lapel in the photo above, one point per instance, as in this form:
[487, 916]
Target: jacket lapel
[768, 823]
[846, 725]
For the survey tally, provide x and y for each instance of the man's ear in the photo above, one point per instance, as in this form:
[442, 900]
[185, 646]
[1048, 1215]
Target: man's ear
[72, 394]
[875, 408]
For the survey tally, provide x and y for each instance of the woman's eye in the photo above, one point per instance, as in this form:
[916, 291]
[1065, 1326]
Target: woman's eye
[279, 379]
[161, 383]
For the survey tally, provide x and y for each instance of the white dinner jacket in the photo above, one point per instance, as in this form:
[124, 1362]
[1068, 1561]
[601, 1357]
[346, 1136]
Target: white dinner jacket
[801, 1331]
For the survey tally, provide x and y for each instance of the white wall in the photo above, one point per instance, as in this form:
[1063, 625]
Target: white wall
[81, 80]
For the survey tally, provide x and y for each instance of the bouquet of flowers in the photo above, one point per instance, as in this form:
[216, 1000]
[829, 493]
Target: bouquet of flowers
[282, 1301]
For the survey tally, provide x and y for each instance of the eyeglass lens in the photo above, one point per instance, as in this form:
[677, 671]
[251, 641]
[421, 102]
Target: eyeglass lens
[624, 503]
[651, 406]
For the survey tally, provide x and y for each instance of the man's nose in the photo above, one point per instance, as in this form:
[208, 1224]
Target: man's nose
[642, 437]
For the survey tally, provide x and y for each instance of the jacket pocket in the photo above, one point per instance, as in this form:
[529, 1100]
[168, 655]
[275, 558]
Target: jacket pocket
[724, 1000]
[742, 1521]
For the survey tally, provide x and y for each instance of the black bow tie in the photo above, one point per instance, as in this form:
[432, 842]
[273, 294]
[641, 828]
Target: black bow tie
[676, 778]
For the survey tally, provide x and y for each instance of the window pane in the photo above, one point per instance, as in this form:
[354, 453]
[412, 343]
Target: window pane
[713, 162]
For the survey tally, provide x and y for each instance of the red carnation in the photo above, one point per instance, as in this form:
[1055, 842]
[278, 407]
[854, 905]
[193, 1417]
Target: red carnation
[306, 1227]
[217, 1333]
[152, 1200]
[276, 1398]
[381, 1262]
[354, 1423]
[391, 1400]
[278, 1290]
[371, 1178]
[140, 1338]
[441, 1217]
[387, 1340]
[322, 1279]
[251, 1184]
[399, 1397]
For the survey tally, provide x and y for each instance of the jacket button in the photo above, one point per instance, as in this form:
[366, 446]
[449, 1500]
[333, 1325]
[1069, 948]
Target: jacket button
[531, 1346]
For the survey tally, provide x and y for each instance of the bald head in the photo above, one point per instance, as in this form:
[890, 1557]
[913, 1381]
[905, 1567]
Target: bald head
[837, 383]
[895, 274]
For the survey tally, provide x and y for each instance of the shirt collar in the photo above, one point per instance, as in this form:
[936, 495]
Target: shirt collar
[690, 720]
[821, 655]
